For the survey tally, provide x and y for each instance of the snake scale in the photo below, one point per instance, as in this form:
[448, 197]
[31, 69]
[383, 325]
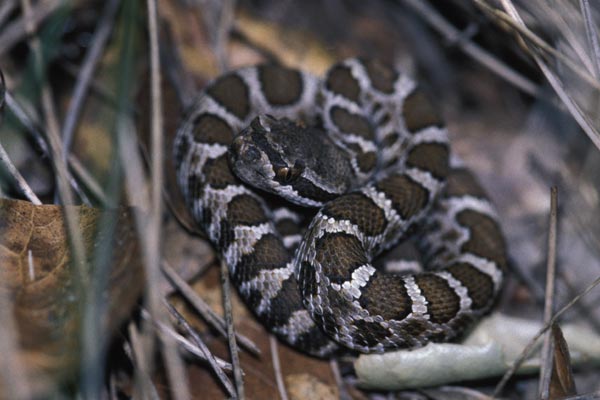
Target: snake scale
[367, 148]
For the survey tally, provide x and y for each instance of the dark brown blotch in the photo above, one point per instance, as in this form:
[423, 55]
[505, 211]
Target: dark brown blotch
[269, 253]
[209, 128]
[480, 285]
[182, 148]
[432, 157]
[442, 301]
[408, 197]
[461, 182]
[287, 226]
[340, 81]
[382, 76]
[231, 92]
[386, 295]
[218, 174]
[339, 255]
[390, 139]
[359, 210]
[195, 186]
[281, 86]
[351, 123]
[419, 112]
[245, 210]
[308, 280]
[285, 303]
[369, 334]
[485, 239]
[366, 161]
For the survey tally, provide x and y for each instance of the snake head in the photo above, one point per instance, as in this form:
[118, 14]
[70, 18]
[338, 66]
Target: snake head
[295, 162]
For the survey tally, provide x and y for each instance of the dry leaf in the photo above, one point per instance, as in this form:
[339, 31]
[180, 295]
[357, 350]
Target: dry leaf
[41, 288]
[561, 381]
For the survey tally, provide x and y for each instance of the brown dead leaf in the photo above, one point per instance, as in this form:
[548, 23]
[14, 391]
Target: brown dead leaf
[39, 284]
[561, 382]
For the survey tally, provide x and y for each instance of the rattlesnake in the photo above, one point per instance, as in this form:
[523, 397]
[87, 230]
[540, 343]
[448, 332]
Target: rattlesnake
[366, 146]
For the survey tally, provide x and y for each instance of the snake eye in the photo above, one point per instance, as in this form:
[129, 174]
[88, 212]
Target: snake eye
[287, 174]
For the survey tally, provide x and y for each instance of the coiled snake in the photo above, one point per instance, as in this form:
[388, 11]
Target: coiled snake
[365, 146]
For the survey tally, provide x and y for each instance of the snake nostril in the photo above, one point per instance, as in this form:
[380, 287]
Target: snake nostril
[252, 154]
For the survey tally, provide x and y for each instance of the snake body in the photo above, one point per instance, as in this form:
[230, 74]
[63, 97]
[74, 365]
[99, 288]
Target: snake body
[366, 147]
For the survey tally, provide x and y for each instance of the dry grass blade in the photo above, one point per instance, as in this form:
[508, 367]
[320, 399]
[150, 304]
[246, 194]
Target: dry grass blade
[207, 354]
[5, 159]
[434, 19]
[277, 367]
[546, 354]
[71, 218]
[233, 347]
[592, 35]
[86, 73]
[5, 9]
[138, 357]
[204, 309]
[12, 371]
[514, 19]
[17, 31]
[222, 34]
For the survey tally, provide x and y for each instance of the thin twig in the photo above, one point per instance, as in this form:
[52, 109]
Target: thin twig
[277, 367]
[207, 353]
[92, 56]
[185, 344]
[233, 348]
[546, 353]
[436, 21]
[215, 320]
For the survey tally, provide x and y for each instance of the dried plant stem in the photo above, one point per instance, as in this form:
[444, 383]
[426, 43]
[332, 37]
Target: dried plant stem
[546, 353]
[204, 309]
[233, 348]
[105, 26]
[207, 354]
[21, 182]
[167, 329]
